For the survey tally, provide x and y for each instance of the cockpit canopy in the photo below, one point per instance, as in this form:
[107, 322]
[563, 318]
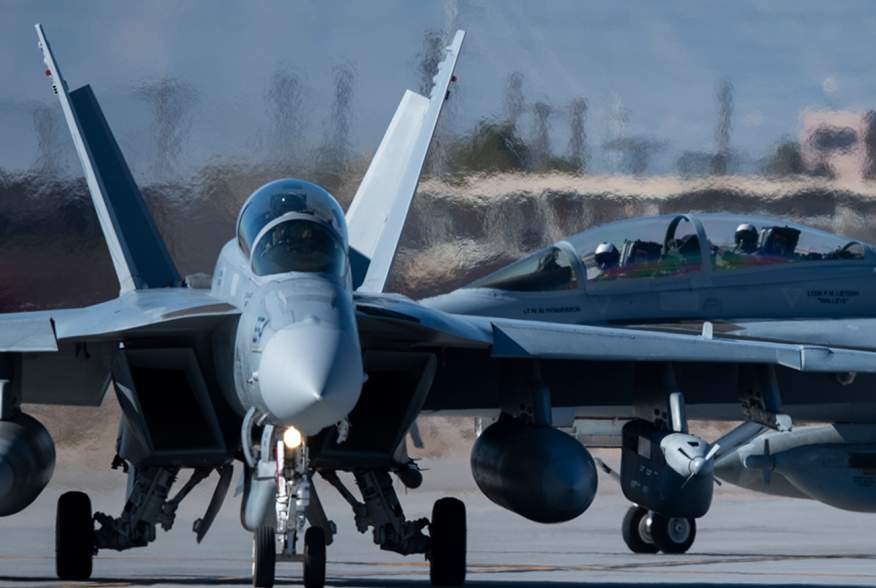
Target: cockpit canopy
[293, 226]
[672, 246]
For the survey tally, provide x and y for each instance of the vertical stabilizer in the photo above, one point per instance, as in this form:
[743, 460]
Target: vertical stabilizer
[377, 214]
[138, 253]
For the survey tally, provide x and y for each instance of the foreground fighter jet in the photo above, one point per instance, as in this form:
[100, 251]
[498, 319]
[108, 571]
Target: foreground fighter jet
[296, 363]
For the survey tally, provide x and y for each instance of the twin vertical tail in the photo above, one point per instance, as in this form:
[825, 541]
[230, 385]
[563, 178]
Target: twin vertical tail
[377, 214]
[140, 257]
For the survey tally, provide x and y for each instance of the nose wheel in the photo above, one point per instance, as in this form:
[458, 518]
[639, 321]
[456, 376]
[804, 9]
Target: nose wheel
[673, 534]
[264, 556]
[648, 532]
[636, 531]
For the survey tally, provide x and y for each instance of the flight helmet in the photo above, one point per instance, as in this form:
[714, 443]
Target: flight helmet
[607, 256]
[746, 238]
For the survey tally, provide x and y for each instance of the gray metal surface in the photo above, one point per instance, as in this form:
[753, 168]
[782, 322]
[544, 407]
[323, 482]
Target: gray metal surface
[552, 341]
[28, 333]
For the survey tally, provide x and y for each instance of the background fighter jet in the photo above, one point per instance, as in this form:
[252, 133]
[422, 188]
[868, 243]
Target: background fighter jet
[296, 363]
[701, 273]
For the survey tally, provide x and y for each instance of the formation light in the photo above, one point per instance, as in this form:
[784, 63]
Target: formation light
[292, 438]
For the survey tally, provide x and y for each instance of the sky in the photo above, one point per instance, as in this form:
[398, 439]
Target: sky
[648, 70]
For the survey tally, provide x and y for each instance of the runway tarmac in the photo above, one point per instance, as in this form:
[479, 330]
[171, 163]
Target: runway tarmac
[745, 539]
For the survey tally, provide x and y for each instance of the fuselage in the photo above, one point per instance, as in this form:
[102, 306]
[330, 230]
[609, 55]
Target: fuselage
[679, 267]
[296, 347]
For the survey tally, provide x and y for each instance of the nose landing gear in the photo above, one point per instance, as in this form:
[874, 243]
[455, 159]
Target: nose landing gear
[636, 531]
[649, 532]
[264, 557]
[296, 504]
[265, 544]
[673, 534]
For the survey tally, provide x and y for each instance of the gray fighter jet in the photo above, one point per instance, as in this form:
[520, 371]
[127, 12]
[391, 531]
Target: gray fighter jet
[296, 363]
[726, 278]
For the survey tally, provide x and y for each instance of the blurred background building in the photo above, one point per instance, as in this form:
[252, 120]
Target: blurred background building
[838, 144]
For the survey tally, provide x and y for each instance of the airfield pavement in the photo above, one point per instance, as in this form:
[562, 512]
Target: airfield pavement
[745, 539]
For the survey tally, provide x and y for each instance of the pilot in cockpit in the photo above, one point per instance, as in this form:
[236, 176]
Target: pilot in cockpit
[607, 257]
[746, 239]
[549, 263]
[744, 250]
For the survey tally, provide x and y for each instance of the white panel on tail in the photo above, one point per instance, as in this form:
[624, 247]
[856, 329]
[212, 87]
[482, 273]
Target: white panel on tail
[377, 214]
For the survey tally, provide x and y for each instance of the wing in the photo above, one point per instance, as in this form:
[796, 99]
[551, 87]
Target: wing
[522, 339]
[377, 214]
[851, 333]
[65, 356]
[138, 253]
[394, 319]
[144, 313]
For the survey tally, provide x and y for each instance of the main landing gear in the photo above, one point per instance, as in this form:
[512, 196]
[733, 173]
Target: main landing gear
[380, 510]
[447, 545]
[147, 506]
[74, 537]
[649, 532]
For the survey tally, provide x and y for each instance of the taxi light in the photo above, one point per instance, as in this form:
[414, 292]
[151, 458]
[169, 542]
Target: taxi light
[292, 438]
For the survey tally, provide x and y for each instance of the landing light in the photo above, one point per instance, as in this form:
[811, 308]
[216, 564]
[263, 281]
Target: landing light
[292, 438]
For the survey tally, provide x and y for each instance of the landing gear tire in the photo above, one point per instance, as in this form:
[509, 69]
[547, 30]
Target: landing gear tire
[314, 557]
[447, 546]
[264, 557]
[636, 531]
[673, 534]
[74, 537]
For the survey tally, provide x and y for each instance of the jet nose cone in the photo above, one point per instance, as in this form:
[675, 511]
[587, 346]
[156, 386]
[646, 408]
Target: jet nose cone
[310, 376]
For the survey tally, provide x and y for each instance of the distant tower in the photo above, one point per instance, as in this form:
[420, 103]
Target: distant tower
[541, 144]
[870, 145]
[619, 117]
[334, 155]
[578, 136]
[342, 115]
[284, 98]
[514, 101]
[49, 149]
[432, 54]
[433, 45]
[722, 132]
[171, 101]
